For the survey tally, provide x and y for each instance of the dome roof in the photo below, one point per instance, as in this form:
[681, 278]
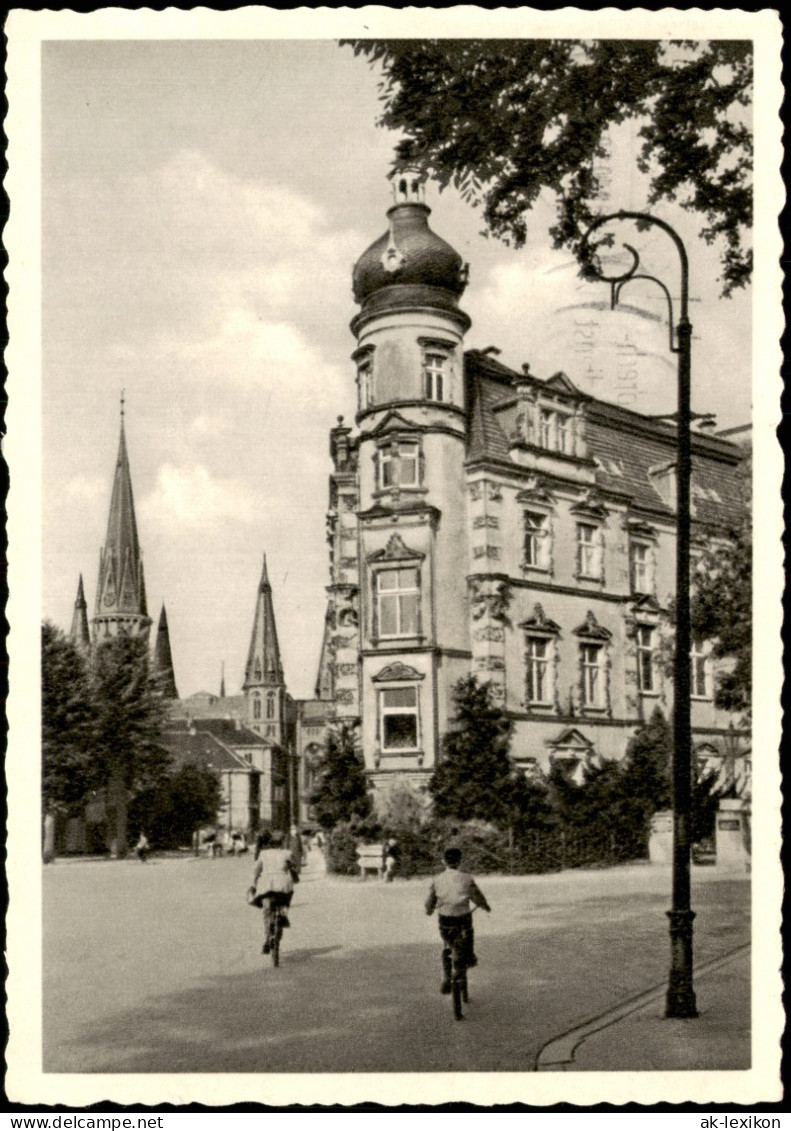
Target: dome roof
[408, 254]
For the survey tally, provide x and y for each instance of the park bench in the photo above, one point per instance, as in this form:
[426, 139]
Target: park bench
[369, 859]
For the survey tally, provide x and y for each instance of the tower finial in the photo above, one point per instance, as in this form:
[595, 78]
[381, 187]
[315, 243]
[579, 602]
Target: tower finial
[123, 402]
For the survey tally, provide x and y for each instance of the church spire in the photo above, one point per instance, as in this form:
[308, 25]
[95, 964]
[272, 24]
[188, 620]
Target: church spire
[121, 593]
[80, 636]
[163, 660]
[264, 686]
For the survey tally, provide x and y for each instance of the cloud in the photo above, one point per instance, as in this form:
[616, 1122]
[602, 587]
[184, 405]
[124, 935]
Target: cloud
[192, 497]
[85, 488]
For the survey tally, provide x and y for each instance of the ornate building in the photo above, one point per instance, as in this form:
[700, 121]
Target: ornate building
[487, 520]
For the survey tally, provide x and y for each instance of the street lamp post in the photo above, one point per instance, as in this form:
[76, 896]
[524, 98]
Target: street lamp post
[680, 994]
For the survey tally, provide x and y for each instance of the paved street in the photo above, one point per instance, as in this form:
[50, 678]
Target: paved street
[157, 968]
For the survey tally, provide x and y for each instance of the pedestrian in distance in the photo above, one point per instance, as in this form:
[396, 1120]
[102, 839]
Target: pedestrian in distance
[296, 847]
[142, 848]
[451, 893]
[391, 854]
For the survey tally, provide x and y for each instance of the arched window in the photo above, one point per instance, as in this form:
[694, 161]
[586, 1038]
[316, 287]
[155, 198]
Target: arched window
[270, 706]
[256, 707]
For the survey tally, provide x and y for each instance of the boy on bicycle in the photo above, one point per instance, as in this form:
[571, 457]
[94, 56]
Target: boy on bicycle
[273, 879]
[450, 893]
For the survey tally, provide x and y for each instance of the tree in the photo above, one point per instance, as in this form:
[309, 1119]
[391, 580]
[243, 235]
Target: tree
[647, 774]
[505, 120]
[128, 719]
[341, 789]
[721, 611]
[66, 728]
[171, 811]
[476, 779]
[400, 807]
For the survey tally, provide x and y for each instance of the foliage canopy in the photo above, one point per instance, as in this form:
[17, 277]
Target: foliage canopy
[505, 120]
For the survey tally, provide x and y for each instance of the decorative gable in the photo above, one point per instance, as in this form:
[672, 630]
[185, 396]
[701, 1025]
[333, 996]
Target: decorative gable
[561, 383]
[591, 505]
[535, 491]
[641, 529]
[541, 623]
[395, 550]
[591, 629]
[392, 422]
[572, 740]
[397, 672]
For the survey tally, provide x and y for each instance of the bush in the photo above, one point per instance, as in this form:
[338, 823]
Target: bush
[342, 851]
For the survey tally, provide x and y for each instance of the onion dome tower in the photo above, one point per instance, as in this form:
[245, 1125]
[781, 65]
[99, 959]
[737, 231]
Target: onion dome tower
[162, 662]
[121, 593]
[412, 495]
[80, 635]
[264, 686]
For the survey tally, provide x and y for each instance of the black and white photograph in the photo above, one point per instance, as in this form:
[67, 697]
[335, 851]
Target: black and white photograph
[394, 556]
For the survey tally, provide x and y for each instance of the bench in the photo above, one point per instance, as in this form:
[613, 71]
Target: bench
[369, 859]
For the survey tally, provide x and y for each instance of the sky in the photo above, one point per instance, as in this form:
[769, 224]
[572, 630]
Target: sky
[203, 204]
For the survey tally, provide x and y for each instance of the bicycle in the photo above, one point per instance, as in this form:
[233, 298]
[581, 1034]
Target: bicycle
[275, 930]
[454, 965]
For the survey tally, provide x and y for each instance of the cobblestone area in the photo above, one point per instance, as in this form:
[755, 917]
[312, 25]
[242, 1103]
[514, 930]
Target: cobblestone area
[157, 967]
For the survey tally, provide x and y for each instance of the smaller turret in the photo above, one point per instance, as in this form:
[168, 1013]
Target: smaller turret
[80, 635]
[162, 664]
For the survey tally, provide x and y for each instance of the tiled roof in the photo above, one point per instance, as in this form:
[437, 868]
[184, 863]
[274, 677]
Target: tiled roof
[224, 730]
[625, 445]
[200, 749]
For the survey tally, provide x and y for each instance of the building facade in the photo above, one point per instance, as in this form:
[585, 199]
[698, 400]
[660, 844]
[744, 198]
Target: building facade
[491, 521]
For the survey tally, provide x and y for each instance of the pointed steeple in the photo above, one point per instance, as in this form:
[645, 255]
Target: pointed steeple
[121, 592]
[264, 686]
[80, 636]
[222, 680]
[162, 666]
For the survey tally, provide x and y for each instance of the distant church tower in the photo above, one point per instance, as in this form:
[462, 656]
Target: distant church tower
[121, 592]
[162, 662]
[80, 635]
[264, 687]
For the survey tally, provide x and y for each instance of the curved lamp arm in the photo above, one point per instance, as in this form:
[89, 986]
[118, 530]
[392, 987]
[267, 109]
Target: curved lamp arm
[632, 274]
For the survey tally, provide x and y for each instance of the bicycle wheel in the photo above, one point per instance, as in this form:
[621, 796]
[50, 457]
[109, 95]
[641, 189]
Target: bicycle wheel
[465, 997]
[277, 931]
[457, 994]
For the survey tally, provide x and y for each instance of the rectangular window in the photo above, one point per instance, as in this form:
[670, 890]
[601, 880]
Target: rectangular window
[538, 690]
[645, 658]
[590, 662]
[588, 550]
[535, 539]
[544, 428]
[434, 373]
[399, 718]
[640, 567]
[365, 373]
[398, 601]
[698, 673]
[398, 465]
[562, 433]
